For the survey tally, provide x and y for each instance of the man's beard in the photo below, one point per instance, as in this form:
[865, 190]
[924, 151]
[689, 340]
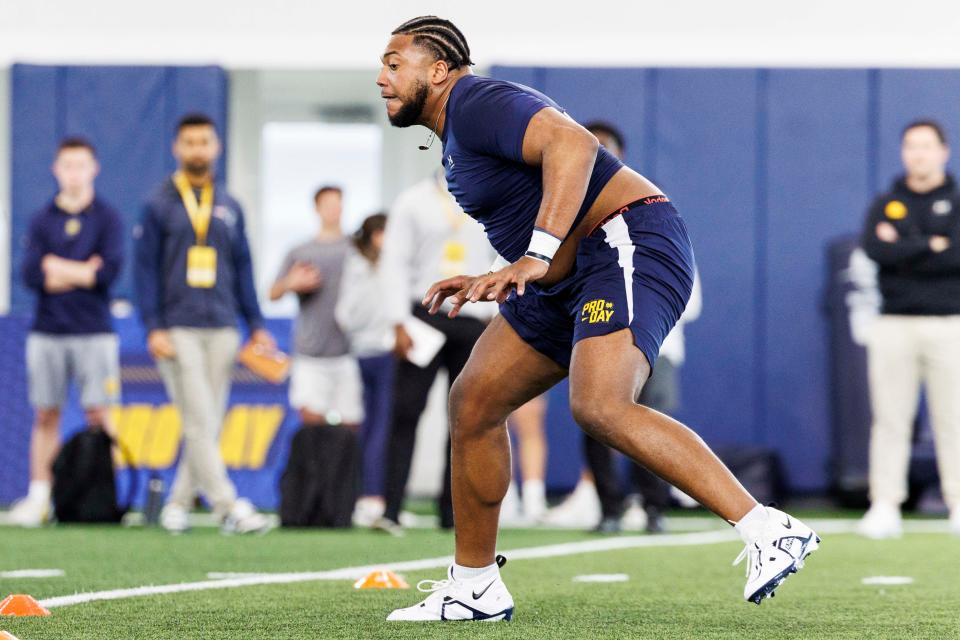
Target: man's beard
[409, 114]
[197, 167]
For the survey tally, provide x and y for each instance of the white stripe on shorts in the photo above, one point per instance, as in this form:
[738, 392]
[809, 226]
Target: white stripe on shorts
[618, 237]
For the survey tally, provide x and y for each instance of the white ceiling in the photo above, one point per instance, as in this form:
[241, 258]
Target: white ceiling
[318, 34]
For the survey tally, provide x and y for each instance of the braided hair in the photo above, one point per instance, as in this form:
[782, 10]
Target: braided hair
[441, 37]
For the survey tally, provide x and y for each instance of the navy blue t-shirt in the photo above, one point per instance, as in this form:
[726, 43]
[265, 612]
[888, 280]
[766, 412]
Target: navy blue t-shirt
[97, 230]
[483, 159]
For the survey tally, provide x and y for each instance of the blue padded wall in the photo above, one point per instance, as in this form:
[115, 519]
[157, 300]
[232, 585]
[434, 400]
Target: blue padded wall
[709, 171]
[591, 97]
[817, 187]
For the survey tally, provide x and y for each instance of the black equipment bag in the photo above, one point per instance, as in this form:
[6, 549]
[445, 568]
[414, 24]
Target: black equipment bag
[318, 488]
[84, 484]
[758, 469]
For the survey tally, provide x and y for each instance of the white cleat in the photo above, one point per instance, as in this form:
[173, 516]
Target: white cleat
[243, 518]
[881, 522]
[955, 521]
[780, 549]
[484, 598]
[30, 513]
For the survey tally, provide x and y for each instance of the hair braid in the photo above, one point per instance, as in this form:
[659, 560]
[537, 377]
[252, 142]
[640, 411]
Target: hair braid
[441, 37]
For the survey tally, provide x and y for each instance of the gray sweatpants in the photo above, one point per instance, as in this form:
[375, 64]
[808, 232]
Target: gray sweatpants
[198, 383]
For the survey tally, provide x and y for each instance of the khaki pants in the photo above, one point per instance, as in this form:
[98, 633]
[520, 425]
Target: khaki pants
[198, 382]
[903, 353]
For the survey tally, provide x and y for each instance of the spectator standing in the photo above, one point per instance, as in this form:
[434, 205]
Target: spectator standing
[74, 252]
[363, 317]
[324, 378]
[913, 233]
[193, 275]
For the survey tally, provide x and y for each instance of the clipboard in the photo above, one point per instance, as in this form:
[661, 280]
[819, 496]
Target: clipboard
[270, 364]
[427, 341]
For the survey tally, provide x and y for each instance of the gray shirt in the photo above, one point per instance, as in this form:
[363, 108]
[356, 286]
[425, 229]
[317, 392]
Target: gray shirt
[315, 331]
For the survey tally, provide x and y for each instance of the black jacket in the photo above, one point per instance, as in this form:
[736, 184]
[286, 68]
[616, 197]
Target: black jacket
[913, 279]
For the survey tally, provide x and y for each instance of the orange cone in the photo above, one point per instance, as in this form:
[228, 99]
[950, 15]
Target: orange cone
[6, 635]
[381, 580]
[21, 605]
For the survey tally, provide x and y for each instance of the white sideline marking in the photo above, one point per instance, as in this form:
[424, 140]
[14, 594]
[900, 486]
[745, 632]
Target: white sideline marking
[888, 580]
[550, 551]
[33, 573]
[602, 577]
[352, 573]
[223, 575]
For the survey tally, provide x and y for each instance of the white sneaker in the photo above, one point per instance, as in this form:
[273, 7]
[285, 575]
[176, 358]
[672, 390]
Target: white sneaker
[685, 501]
[955, 521]
[780, 548]
[367, 510]
[389, 526]
[634, 518]
[243, 518]
[581, 509]
[483, 598]
[29, 512]
[174, 518]
[881, 521]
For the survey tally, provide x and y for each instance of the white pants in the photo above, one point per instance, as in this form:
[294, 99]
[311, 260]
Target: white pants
[198, 382]
[904, 352]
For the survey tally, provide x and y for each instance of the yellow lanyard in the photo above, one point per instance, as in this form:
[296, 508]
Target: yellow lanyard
[199, 212]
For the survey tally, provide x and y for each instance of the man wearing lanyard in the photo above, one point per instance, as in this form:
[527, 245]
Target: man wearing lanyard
[193, 274]
[427, 236]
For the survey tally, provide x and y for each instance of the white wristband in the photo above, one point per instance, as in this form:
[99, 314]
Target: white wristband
[543, 245]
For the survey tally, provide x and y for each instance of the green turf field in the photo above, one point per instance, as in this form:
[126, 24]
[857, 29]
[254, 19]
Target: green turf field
[672, 592]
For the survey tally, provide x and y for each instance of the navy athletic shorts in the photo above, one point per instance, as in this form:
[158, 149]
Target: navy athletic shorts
[635, 269]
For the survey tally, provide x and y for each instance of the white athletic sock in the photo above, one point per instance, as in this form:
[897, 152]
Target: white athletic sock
[752, 524]
[466, 574]
[534, 497]
[39, 491]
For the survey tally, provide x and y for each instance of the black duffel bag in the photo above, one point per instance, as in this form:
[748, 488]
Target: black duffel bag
[84, 483]
[318, 488]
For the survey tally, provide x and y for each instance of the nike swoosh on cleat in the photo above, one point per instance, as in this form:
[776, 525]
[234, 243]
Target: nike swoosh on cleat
[477, 596]
[788, 524]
